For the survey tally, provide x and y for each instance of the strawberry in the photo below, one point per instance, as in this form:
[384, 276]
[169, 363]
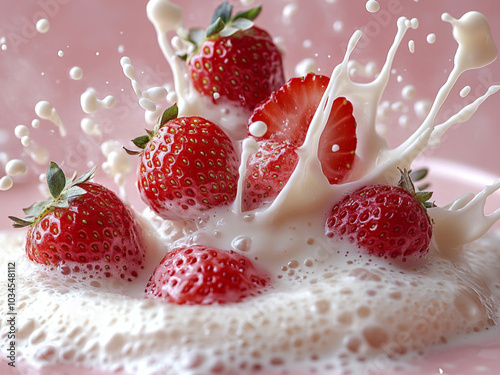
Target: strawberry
[187, 165]
[84, 228]
[268, 170]
[234, 60]
[384, 220]
[202, 275]
[288, 113]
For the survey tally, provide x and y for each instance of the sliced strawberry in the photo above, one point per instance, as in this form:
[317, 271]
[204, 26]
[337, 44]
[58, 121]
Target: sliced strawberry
[200, 275]
[288, 113]
[268, 170]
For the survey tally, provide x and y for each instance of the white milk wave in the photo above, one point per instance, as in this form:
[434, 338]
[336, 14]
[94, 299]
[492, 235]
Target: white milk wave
[328, 311]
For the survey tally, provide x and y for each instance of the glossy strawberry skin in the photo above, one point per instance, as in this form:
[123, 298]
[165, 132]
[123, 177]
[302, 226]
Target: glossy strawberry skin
[268, 171]
[383, 221]
[187, 167]
[97, 235]
[288, 113]
[200, 275]
[243, 68]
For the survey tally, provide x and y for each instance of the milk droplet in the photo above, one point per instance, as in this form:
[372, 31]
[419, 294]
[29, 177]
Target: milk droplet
[475, 43]
[408, 92]
[42, 26]
[465, 91]
[241, 243]
[21, 131]
[35, 124]
[257, 128]
[15, 167]
[288, 11]
[26, 140]
[90, 103]
[45, 110]
[411, 46]
[372, 6]
[164, 15]
[76, 73]
[422, 108]
[6, 183]
[338, 26]
[156, 93]
[148, 105]
[431, 38]
[60, 53]
[307, 65]
[335, 148]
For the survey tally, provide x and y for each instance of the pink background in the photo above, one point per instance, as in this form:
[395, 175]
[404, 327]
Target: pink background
[89, 33]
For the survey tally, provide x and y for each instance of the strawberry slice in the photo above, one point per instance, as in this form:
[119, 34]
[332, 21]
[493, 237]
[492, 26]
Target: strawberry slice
[288, 113]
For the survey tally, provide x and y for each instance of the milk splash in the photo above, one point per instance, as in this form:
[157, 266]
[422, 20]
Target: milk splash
[308, 194]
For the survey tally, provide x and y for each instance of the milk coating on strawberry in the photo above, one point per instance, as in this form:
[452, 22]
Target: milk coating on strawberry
[235, 60]
[85, 229]
[188, 165]
[384, 221]
[203, 276]
[328, 310]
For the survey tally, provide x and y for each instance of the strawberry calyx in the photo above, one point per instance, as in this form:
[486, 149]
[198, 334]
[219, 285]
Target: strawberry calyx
[62, 191]
[223, 24]
[171, 113]
[406, 182]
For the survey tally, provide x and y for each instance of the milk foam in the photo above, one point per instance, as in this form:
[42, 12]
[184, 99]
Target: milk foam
[330, 310]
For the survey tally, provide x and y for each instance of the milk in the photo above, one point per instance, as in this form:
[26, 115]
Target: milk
[329, 310]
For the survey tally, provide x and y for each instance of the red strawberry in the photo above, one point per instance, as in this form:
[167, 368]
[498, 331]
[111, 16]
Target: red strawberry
[188, 165]
[235, 60]
[385, 221]
[203, 275]
[268, 170]
[288, 113]
[85, 228]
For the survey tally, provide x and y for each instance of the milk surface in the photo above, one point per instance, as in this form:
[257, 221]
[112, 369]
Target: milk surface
[329, 310]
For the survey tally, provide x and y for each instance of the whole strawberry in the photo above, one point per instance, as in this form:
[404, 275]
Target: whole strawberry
[235, 61]
[268, 171]
[385, 221]
[202, 275]
[85, 227]
[187, 165]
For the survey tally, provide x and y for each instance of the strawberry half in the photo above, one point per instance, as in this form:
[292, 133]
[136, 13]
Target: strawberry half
[200, 275]
[83, 228]
[384, 221]
[235, 61]
[187, 165]
[288, 113]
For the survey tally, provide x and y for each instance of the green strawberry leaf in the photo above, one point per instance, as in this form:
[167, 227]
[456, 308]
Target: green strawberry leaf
[85, 177]
[215, 27]
[169, 114]
[248, 14]
[141, 141]
[56, 180]
[36, 209]
[74, 191]
[223, 12]
[19, 223]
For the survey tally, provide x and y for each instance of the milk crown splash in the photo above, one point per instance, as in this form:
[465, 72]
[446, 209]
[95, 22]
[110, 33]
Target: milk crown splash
[308, 193]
